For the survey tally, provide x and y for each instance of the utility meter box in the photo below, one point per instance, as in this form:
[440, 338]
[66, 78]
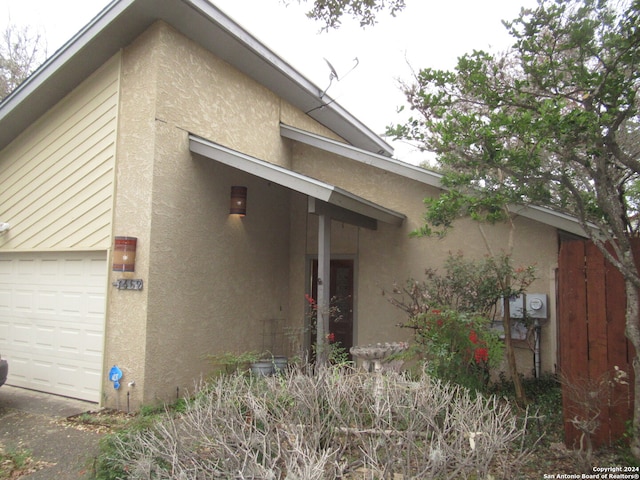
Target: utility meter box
[537, 305]
[516, 306]
[534, 304]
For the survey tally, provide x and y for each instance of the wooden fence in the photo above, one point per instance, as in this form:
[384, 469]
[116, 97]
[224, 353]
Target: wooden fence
[592, 342]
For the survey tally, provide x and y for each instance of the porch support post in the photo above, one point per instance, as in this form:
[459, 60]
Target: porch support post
[324, 287]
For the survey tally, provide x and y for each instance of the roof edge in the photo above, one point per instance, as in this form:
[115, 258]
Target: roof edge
[294, 180]
[543, 215]
[121, 21]
[363, 156]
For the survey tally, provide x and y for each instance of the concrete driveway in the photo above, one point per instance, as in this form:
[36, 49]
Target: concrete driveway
[34, 422]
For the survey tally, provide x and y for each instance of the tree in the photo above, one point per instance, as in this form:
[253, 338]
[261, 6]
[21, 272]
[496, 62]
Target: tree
[21, 52]
[554, 122]
[331, 12]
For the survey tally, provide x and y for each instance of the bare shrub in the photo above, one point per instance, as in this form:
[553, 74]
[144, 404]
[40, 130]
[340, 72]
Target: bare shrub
[334, 424]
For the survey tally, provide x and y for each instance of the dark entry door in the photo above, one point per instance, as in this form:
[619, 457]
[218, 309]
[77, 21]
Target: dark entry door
[341, 293]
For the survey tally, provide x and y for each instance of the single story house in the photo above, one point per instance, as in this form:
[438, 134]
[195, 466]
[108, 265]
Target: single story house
[140, 127]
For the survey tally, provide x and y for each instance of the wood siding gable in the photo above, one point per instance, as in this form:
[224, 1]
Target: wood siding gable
[57, 177]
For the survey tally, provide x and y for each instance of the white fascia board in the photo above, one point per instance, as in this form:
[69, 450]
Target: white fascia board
[293, 180]
[63, 70]
[260, 168]
[348, 151]
[64, 54]
[349, 201]
[339, 214]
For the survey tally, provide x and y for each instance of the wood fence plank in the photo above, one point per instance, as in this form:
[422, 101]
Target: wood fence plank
[618, 355]
[591, 336]
[571, 324]
[597, 363]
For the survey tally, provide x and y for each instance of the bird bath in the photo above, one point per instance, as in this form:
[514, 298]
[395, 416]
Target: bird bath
[376, 353]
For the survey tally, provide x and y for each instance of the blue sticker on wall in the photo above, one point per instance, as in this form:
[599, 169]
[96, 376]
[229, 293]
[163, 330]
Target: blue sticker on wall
[115, 374]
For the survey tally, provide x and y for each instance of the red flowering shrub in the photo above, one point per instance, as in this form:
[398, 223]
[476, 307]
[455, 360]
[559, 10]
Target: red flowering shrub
[451, 315]
[458, 347]
[481, 355]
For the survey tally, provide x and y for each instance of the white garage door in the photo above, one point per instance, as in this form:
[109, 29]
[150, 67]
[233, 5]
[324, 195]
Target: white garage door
[52, 316]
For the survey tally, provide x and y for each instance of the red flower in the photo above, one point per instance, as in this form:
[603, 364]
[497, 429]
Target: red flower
[481, 355]
[331, 337]
[310, 299]
[436, 312]
[473, 337]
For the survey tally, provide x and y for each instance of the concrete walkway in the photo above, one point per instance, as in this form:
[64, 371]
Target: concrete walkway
[34, 422]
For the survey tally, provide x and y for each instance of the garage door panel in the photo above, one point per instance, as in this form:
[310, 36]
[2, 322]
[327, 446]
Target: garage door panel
[25, 268]
[47, 302]
[42, 372]
[52, 313]
[95, 304]
[22, 337]
[71, 303]
[93, 343]
[5, 298]
[23, 300]
[19, 368]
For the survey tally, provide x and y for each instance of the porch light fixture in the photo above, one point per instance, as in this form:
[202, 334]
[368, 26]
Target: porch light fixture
[124, 254]
[238, 201]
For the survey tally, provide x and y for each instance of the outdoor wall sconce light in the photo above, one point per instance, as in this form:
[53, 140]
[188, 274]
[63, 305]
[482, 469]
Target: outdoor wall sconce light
[124, 254]
[238, 201]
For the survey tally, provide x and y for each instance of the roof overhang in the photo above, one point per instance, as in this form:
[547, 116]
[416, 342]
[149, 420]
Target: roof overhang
[559, 220]
[363, 156]
[547, 216]
[324, 198]
[123, 20]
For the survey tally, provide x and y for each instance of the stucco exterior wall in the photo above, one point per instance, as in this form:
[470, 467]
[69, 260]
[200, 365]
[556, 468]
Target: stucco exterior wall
[389, 255]
[127, 311]
[211, 280]
[209, 98]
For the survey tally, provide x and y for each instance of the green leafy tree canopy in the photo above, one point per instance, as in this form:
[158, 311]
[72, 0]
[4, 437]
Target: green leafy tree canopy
[553, 122]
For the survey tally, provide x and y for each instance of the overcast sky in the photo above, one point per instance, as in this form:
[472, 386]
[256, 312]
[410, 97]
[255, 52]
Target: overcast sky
[428, 33]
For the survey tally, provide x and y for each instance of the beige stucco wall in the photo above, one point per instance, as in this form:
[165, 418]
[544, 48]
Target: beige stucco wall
[212, 280]
[127, 311]
[388, 255]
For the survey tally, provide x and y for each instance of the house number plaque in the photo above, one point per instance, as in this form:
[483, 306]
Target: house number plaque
[128, 284]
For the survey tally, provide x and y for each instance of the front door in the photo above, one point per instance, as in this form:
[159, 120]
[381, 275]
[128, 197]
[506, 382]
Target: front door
[341, 294]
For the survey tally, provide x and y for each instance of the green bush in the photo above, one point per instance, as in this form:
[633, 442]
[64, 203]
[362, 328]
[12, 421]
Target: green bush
[457, 347]
[452, 315]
